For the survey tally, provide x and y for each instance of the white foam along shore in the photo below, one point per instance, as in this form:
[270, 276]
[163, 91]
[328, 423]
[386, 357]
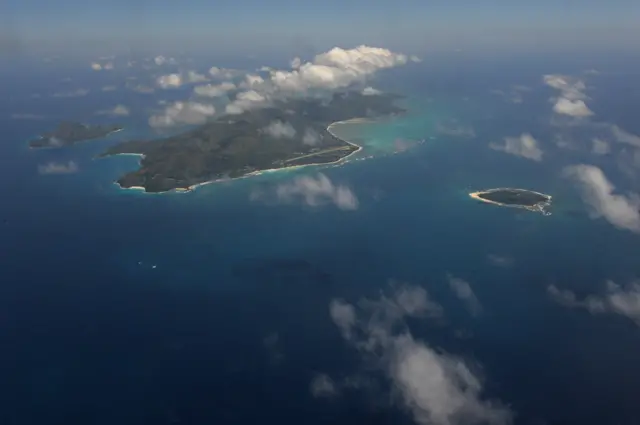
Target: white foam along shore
[259, 172]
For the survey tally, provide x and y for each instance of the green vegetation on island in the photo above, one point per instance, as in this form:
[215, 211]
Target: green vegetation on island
[69, 133]
[518, 198]
[288, 133]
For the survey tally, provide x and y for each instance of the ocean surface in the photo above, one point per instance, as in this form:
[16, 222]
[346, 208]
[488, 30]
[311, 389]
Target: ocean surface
[212, 307]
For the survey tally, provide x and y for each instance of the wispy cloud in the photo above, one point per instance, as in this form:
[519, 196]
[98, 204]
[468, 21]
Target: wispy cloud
[118, 110]
[72, 93]
[598, 193]
[524, 146]
[58, 168]
[26, 117]
[624, 301]
[323, 386]
[280, 130]
[436, 387]
[311, 191]
[463, 290]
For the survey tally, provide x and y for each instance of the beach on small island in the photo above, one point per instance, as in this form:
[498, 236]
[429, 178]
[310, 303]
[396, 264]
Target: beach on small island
[515, 198]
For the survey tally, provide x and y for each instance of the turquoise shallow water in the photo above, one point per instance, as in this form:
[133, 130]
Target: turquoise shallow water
[137, 309]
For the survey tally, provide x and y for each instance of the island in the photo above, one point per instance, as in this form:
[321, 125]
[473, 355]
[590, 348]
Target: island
[69, 133]
[287, 133]
[515, 198]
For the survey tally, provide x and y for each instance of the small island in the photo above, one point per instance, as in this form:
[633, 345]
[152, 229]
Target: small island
[515, 198]
[69, 133]
[288, 133]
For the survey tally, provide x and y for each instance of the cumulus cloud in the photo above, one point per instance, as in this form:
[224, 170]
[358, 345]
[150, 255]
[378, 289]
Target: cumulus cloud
[96, 66]
[574, 108]
[223, 73]
[214, 90]
[624, 301]
[337, 68]
[109, 88]
[118, 110]
[162, 60]
[571, 99]
[58, 168]
[600, 147]
[280, 130]
[524, 146]
[436, 388]
[246, 101]
[598, 193]
[323, 386]
[175, 80]
[315, 192]
[180, 113]
[311, 137]
[463, 290]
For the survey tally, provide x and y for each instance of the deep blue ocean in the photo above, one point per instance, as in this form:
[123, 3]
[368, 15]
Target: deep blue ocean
[123, 308]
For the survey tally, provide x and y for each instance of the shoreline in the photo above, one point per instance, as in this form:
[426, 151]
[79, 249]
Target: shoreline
[537, 207]
[259, 172]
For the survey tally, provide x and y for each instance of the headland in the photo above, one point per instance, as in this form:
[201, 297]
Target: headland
[287, 134]
[69, 133]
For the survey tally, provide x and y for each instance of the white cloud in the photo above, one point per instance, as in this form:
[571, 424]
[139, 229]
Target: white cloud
[524, 146]
[246, 101]
[463, 290]
[280, 130]
[175, 80]
[573, 108]
[337, 68]
[311, 137]
[109, 88]
[317, 192]
[118, 110]
[295, 63]
[323, 386]
[600, 147]
[571, 99]
[623, 136]
[214, 90]
[598, 192]
[58, 168]
[618, 300]
[96, 66]
[180, 113]
[437, 388]
[370, 91]
[252, 81]
[223, 73]
[161, 60]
